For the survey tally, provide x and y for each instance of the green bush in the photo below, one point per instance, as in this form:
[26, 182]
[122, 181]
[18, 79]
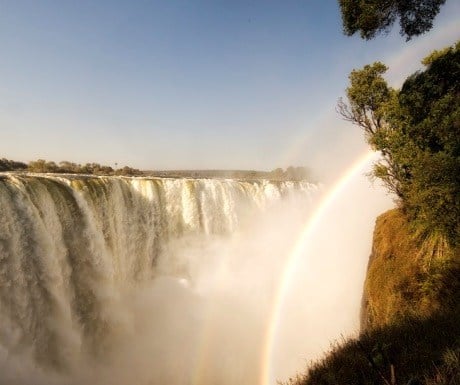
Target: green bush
[417, 130]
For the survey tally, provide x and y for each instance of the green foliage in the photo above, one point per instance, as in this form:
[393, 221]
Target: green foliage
[417, 130]
[368, 96]
[371, 17]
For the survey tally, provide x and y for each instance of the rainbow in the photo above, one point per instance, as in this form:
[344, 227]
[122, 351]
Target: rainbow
[266, 376]
[398, 63]
[404, 62]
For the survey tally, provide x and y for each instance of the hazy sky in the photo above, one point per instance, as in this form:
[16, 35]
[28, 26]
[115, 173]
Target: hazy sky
[189, 84]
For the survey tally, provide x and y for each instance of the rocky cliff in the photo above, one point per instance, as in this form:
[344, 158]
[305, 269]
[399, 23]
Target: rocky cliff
[409, 275]
[410, 316]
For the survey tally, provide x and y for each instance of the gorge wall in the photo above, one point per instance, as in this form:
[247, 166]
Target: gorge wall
[410, 329]
[410, 274]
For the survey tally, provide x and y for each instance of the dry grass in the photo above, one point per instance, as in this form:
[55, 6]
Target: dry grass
[425, 350]
[411, 315]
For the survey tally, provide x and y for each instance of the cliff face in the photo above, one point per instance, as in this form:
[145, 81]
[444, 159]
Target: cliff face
[409, 274]
[410, 318]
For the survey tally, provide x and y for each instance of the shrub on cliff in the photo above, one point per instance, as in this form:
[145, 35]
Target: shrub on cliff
[417, 130]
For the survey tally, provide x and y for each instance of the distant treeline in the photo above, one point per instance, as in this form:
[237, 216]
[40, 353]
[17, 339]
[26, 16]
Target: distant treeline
[65, 167]
[291, 173]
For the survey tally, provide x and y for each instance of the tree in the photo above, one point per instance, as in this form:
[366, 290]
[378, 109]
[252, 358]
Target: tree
[68, 167]
[42, 165]
[128, 171]
[370, 102]
[371, 17]
[296, 173]
[11, 165]
[367, 95]
[417, 130]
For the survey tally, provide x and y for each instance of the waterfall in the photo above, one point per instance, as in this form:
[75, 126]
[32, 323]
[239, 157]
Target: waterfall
[70, 244]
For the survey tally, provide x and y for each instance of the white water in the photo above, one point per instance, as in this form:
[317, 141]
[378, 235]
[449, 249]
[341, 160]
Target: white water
[116, 280]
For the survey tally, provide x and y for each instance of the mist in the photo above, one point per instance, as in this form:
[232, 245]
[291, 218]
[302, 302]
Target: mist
[204, 317]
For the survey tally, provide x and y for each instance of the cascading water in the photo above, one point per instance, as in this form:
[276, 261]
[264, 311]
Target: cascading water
[71, 247]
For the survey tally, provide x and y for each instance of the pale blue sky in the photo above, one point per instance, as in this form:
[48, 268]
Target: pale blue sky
[188, 84]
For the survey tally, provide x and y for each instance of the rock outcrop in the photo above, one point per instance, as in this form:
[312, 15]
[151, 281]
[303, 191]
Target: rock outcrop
[409, 274]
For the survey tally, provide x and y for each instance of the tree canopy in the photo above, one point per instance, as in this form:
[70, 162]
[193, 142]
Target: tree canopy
[371, 17]
[417, 130]
[66, 167]
[8, 165]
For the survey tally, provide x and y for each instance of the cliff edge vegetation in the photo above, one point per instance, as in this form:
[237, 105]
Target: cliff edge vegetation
[417, 131]
[410, 321]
